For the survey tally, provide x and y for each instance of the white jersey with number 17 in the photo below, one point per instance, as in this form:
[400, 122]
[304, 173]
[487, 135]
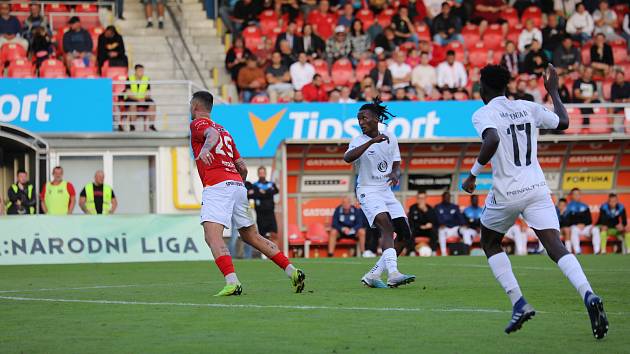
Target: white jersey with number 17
[516, 173]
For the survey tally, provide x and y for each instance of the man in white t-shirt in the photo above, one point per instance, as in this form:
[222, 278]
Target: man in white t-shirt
[401, 71]
[509, 132]
[451, 74]
[302, 72]
[424, 76]
[377, 158]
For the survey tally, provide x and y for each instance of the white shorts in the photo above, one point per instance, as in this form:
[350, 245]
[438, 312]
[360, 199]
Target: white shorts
[538, 211]
[226, 203]
[376, 200]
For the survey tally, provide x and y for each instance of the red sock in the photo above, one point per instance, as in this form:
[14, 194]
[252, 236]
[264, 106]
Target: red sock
[280, 259]
[225, 265]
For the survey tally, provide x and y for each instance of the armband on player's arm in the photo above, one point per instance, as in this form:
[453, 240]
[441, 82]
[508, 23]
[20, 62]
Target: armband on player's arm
[476, 169]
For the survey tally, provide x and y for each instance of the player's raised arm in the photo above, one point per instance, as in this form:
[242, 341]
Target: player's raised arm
[211, 137]
[353, 154]
[551, 85]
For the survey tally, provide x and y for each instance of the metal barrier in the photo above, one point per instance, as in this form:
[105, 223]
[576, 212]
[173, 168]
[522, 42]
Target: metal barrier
[598, 118]
[104, 18]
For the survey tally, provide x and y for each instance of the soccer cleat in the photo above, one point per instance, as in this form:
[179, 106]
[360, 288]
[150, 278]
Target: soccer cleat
[373, 282]
[231, 290]
[599, 321]
[400, 279]
[297, 280]
[521, 313]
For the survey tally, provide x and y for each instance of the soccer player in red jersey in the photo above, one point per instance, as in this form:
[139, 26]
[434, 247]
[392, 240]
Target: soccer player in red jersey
[224, 200]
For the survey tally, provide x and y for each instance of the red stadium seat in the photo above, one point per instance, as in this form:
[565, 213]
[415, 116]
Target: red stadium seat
[11, 52]
[497, 54]
[268, 15]
[114, 71]
[295, 236]
[511, 16]
[253, 37]
[86, 8]
[21, 68]
[514, 33]
[620, 52]
[321, 67]
[471, 35]
[599, 122]
[478, 55]
[317, 234]
[268, 27]
[284, 99]
[260, 99]
[55, 7]
[621, 10]
[493, 37]
[95, 33]
[84, 72]
[458, 48]
[586, 53]
[325, 26]
[58, 20]
[423, 32]
[20, 7]
[59, 38]
[385, 18]
[607, 87]
[364, 67]
[366, 16]
[52, 68]
[342, 72]
[534, 13]
[89, 21]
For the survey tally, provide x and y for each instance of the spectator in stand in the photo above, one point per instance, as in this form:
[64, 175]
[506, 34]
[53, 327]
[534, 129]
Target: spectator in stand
[563, 92]
[449, 220]
[585, 91]
[289, 8]
[291, 36]
[601, 55]
[605, 21]
[111, 48]
[264, 54]
[58, 196]
[375, 30]
[302, 72]
[401, 71]
[619, 93]
[334, 96]
[338, 46]
[251, 80]
[446, 27]
[413, 58]
[322, 17]
[98, 198]
[245, 13]
[35, 19]
[522, 5]
[21, 199]
[532, 89]
[580, 25]
[298, 97]
[288, 57]
[10, 27]
[359, 40]
[400, 94]
[565, 8]
[41, 46]
[613, 222]
[344, 95]
[475, 78]
[313, 44]
[581, 223]
[488, 12]
[519, 233]
[521, 92]
[359, 87]
[510, 59]
[451, 74]
[236, 56]
[386, 41]
[347, 18]
[315, 91]
[226, 9]
[404, 30]
[278, 78]
[563, 218]
[552, 35]
[346, 223]
[77, 44]
[529, 34]
[382, 76]
[625, 30]
[148, 11]
[307, 6]
[567, 58]
[423, 220]
[472, 220]
[424, 76]
[535, 61]
[138, 94]
[433, 9]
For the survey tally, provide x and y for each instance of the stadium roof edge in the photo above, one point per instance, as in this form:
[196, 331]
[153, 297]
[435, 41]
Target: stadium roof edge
[122, 140]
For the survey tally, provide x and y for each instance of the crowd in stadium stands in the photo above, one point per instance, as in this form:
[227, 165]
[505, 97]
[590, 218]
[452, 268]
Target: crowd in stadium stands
[450, 228]
[425, 50]
[58, 197]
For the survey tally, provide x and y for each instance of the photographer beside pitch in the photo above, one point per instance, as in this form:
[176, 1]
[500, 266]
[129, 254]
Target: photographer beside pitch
[509, 133]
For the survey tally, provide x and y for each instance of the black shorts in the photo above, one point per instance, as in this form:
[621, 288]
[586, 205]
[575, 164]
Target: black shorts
[142, 106]
[266, 224]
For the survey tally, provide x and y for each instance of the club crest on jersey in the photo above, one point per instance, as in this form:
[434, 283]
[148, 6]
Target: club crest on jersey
[382, 166]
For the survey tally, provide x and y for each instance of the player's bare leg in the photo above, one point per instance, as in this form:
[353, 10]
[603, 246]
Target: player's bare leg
[214, 238]
[388, 260]
[267, 247]
[403, 241]
[550, 238]
[361, 240]
[502, 270]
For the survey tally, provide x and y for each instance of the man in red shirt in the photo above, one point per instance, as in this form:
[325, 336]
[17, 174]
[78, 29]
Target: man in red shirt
[315, 92]
[224, 200]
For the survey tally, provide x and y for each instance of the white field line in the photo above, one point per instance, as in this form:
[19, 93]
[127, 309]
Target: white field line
[526, 267]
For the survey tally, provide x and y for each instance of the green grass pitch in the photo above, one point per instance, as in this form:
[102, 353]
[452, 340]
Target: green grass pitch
[455, 306]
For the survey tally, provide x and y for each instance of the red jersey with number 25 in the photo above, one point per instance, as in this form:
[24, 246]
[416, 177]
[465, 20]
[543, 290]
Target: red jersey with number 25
[224, 153]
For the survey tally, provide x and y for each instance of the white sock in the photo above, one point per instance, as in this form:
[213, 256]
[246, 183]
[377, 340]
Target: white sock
[161, 19]
[150, 20]
[391, 262]
[231, 278]
[502, 270]
[378, 268]
[572, 270]
[289, 270]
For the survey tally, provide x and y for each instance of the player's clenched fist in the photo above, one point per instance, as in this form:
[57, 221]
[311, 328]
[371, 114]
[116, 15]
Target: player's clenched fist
[469, 184]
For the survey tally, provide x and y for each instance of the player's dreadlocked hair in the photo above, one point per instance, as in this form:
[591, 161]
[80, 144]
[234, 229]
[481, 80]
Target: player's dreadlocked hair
[381, 112]
[495, 77]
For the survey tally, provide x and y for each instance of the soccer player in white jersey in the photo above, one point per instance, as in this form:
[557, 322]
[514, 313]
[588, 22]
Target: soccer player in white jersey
[509, 130]
[377, 158]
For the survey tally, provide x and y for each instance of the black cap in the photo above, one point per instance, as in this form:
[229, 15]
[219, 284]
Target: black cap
[73, 20]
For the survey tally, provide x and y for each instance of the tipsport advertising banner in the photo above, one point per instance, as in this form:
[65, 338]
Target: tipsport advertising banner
[57, 105]
[43, 239]
[259, 129]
